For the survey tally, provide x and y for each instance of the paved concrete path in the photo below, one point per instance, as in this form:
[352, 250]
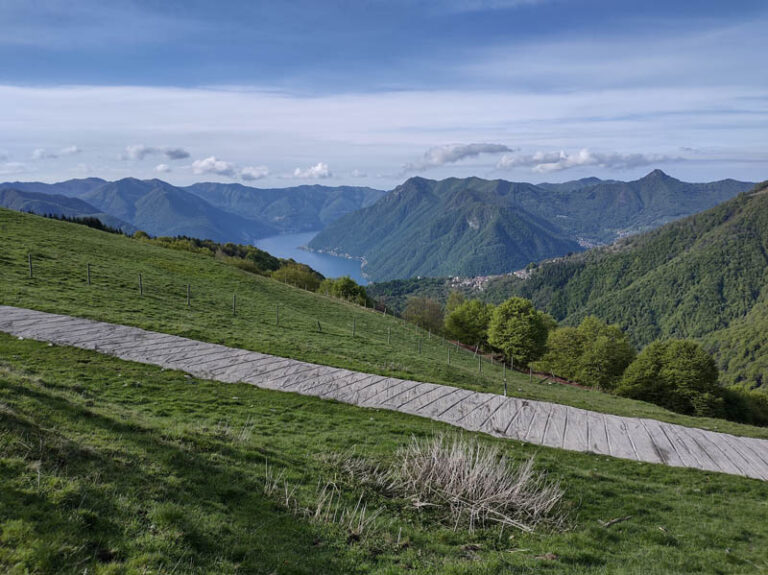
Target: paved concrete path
[525, 420]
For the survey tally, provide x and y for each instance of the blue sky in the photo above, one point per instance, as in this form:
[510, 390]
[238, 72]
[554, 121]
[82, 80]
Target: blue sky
[370, 92]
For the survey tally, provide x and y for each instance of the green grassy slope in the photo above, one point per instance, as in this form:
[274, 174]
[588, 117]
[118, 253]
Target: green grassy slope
[61, 252]
[116, 467]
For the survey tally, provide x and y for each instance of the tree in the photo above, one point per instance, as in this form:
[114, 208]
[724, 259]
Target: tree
[676, 374]
[424, 312]
[299, 275]
[344, 288]
[455, 299]
[469, 321]
[594, 353]
[518, 330]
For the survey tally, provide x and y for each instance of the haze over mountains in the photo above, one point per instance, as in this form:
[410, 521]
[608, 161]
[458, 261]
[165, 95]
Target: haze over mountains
[221, 212]
[476, 227]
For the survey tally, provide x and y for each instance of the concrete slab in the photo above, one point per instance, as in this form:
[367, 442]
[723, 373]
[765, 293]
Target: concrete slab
[536, 422]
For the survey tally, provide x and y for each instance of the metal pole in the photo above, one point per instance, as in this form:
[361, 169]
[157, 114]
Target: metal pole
[504, 372]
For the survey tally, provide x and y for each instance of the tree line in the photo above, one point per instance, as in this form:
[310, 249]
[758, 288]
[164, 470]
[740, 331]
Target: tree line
[677, 374]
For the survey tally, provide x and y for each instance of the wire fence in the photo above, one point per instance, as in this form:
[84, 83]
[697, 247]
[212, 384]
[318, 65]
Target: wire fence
[163, 296]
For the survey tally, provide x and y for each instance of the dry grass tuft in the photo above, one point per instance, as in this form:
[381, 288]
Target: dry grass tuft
[477, 483]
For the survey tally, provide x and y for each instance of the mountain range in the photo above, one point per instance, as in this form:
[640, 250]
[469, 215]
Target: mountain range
[473, 227]
[221, 212]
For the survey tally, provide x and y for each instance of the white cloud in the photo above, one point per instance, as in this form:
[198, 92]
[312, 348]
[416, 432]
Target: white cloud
[250, 173]
[452, 153]
[545, 162]
[42, 154]
[162, 168]
[141, 151]
[317, 172]
[212, 165]
[358, 174]
[69, 151]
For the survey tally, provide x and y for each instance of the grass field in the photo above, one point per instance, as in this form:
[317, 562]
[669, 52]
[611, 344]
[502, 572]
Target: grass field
[348, 335]
[109, 466]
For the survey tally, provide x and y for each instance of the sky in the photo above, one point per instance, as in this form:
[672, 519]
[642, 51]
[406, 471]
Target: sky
[371, 92]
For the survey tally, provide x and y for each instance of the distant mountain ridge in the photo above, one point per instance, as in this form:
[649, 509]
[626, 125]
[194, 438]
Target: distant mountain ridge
[57, 205]
[221, 212]
[473, 227]
[296, 209]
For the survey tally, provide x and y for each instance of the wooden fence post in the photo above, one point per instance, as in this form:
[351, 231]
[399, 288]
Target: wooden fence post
[88, 271]
[29, 257]
[141, 286]
[354, 326]
[277, 315]
[189, 295]
[234, 304]
[389, 335]
[504, 375]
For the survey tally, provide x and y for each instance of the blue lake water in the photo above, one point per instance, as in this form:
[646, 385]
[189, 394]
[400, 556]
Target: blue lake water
[287, 246]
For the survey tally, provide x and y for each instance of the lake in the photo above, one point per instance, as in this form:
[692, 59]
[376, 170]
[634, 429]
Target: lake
[287, 246]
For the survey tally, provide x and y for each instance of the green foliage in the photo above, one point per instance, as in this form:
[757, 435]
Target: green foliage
[518, 330]
[700, 278]
[676, 374]
[594, 354]
[344, 288]
[455, 299]
[299, 275]
[425, 313]
[469, 321]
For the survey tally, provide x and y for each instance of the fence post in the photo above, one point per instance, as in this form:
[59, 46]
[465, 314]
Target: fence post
[88, 268]
[389, 335]
[234, 304]
[419, 345]
[480, 365]
[504, 372]
[29, 257]
[277, 315]
[141, 286]
[449, 356]
[189, 295]
[319, 329]
[354, 326]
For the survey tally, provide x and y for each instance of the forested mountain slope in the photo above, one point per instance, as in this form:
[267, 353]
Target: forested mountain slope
[480, 227]
[704, 277]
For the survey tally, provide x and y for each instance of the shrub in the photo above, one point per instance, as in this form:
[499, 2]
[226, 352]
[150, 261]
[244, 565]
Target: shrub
[594, 353]
[424, 312]
[468, 322]
[519, 330]
[676, 374]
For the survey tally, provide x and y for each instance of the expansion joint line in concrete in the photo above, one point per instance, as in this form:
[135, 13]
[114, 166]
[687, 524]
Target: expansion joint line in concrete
[563, 426]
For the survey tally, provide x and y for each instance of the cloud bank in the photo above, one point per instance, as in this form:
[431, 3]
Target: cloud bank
[319, 171]
[212, 165]
[140, 151]
[452, 153]
[546, 162]
[43, 154]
